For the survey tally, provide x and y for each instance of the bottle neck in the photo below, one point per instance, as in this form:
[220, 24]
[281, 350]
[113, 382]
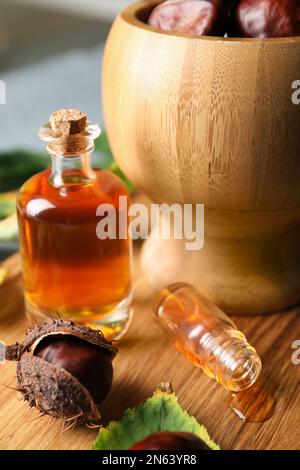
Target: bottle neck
[71, 170]
[71, 155]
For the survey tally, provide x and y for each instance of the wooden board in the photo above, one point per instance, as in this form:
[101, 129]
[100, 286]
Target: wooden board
[147, 358]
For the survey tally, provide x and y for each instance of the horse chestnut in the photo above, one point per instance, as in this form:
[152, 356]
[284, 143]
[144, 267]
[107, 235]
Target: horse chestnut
[64, 370]
[170, 441]
[266, 18]
[193, 17]
[89, 364]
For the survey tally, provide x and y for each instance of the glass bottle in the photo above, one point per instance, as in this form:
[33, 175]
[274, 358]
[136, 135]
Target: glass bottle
[207, 337]
[69, 269]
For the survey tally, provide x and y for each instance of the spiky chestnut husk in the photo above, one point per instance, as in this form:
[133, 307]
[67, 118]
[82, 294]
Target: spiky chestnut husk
[52, 389]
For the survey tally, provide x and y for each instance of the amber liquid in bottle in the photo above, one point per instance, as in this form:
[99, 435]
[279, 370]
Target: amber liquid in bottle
[207, 337]
[210, 340]
[68, 270]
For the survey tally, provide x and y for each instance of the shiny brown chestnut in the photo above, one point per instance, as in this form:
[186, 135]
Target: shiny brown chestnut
[64, 369]
[266, 18]
[90, 365]
[170, 441]
[193, 17]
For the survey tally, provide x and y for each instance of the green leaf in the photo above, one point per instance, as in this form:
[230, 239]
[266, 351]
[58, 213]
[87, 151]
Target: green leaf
[19, 165]
[7, 204]
[103, 158]
[117, 171]
[159, 413]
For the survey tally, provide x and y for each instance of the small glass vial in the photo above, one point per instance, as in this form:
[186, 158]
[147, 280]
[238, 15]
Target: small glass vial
[68, 269]
[207, 337]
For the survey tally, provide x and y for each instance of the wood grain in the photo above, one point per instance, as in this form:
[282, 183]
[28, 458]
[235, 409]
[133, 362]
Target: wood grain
[202, 118]
[211, 120]
[147, 358]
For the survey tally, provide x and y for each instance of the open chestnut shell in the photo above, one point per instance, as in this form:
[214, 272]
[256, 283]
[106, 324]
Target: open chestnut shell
[64, 370]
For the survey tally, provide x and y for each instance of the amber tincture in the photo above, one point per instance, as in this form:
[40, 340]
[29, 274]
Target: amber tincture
[207, 337]
[255, 404]
[71, 268]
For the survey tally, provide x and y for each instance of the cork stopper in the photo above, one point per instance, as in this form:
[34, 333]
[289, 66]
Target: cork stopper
[67, 122]
[68, 133]
[69, 129]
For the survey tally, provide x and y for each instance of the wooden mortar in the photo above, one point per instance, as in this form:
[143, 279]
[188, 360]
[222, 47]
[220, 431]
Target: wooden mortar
[211, 120]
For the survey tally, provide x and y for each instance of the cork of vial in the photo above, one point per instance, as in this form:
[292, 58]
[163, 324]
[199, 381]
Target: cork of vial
[68, 124]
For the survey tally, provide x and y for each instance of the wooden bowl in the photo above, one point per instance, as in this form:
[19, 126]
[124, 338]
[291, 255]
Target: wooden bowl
[211, 120]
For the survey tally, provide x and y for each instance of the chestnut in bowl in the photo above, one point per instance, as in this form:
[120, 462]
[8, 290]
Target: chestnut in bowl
[192, 17]
[266, 18]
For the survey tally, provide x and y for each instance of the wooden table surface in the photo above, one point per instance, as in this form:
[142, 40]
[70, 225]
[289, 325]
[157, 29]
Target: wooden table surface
[146, 359]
